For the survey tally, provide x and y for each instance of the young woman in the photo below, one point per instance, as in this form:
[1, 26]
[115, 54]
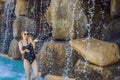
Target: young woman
[27, 46]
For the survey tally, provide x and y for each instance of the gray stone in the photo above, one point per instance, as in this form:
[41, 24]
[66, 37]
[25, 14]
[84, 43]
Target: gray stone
[14, 50]
[22, 23]
[112, 32]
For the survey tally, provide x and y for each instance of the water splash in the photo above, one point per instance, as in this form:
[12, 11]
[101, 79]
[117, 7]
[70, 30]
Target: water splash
[7, 34]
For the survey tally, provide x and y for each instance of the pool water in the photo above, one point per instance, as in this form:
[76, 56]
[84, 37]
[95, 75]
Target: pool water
[12, 70]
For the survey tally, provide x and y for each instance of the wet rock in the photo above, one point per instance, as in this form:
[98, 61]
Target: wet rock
[99, 12]
[1, 5]
[22, 23]
[53, 56]
[96, 51]
[3, 0]
[53, 77]
[14, 50]
[115, 8]
[21, 8]
[112, 31]
[84, 70]
[67, 21]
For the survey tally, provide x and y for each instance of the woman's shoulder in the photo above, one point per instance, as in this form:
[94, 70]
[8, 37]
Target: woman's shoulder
[20, 42]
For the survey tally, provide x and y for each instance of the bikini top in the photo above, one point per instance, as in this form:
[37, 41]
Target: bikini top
[29, 46]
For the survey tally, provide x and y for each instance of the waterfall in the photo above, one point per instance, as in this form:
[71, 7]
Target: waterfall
[69, 50]
[44, 33]
[7, 30]
[89, 27]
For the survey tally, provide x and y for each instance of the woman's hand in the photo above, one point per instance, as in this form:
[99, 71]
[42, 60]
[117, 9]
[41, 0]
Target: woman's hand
[36, 40]
[31, 40]
[26, 50]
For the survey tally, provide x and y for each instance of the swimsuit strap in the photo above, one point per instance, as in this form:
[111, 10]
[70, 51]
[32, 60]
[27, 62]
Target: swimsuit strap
[27, 42]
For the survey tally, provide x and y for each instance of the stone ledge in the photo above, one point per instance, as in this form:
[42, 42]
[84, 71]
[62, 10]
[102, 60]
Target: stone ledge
[53, 77]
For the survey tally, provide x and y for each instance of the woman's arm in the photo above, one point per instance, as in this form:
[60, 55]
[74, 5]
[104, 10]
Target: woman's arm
[33, 43]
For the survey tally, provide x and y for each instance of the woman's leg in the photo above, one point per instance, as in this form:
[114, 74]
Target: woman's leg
[27, 68]
[35, 69]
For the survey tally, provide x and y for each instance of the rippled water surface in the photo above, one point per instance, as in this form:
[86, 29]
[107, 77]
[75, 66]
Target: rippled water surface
[12, 70]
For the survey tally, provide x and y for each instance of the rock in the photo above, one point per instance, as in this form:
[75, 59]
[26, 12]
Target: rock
[2, 6]
[100, 15]
[22, 23]
[3, 0]
[93, 72]
[21, 8]
[115, 9]
[89, 71]
[52, 58]
[53, 77]
[112, 31]
[67, 21]
[96, 51]
[14, 50]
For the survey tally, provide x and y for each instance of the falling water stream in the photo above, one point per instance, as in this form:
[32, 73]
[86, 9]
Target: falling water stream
[90, 22]
[69, 50]
[7, 34]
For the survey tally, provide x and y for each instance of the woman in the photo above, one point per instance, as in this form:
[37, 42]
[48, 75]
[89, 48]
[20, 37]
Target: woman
[26, 47]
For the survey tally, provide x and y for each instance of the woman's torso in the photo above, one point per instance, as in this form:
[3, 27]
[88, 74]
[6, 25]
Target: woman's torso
[30, 56]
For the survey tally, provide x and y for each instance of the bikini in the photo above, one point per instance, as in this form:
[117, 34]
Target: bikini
[30, 56]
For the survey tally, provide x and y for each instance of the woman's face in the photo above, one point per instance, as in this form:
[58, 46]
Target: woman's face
[25, 34]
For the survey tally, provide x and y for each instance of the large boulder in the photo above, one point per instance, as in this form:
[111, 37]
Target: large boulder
[22, 23]
[53, 57]
[96, 51]
[115, 8]
[14, 50]
[67, 19]
[21, 8]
